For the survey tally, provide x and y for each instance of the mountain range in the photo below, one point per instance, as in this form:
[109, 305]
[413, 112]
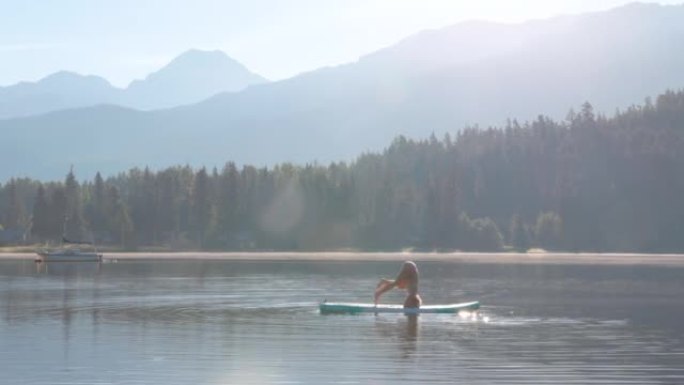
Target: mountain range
[190, 78]
[436, 81]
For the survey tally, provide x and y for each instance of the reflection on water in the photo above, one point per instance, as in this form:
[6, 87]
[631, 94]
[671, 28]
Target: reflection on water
[257, 322]
[403, 329]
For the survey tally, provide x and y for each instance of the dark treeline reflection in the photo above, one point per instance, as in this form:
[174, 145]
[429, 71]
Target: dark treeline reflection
[588, 183]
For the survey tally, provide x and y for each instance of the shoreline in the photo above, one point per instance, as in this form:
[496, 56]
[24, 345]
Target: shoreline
[338, 256]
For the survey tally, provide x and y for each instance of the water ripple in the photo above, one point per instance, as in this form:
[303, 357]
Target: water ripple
[242, 323]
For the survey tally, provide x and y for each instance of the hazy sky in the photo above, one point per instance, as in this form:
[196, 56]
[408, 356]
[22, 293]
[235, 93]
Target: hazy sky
[122, 40]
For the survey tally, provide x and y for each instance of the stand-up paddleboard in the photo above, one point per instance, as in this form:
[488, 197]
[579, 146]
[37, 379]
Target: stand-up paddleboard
[353, 308]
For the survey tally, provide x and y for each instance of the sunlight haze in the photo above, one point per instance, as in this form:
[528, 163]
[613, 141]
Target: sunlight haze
[206, 192]
[126, 40]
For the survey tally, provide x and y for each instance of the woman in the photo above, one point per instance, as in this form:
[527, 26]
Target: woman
[407, 279]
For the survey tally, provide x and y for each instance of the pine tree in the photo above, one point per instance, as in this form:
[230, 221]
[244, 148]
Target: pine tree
[228, 205]
[15, 216]
[549, 230]
[57, 217]
[201, 205]
[41, 211]
[74, 213]
[519, 235]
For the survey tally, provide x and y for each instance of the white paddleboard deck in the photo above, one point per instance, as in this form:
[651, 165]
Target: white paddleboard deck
[352, 308]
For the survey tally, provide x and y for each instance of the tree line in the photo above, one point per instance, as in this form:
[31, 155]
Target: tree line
[587, 183]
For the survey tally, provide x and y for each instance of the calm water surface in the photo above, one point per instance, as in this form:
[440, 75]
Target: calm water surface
[221, 322]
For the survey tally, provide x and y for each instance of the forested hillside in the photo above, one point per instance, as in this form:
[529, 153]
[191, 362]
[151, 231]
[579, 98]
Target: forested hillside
[588, 183]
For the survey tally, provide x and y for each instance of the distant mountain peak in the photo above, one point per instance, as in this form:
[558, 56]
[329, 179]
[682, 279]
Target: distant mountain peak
[69, 77]
[194, 74]
[198, 54]
[191, 77]
[196, 57]
[195, 61]
[61, 75]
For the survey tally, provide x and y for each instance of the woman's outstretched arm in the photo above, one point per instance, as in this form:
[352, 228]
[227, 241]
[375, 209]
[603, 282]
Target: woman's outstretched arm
[383, 286]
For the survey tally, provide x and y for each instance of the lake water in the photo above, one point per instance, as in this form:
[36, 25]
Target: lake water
[241, 322]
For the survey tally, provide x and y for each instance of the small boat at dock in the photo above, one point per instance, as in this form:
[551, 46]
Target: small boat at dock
[69, 251]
